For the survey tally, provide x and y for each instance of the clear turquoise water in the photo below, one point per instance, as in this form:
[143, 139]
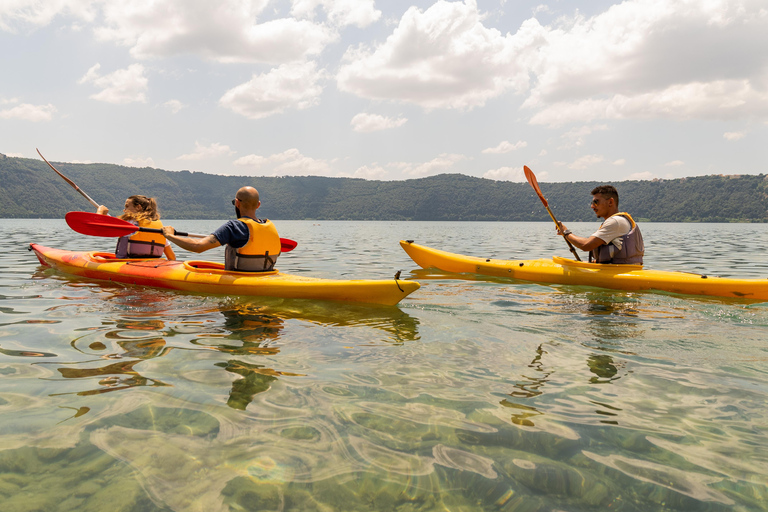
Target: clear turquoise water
[474, 394]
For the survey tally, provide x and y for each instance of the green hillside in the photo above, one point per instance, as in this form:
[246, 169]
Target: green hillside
[30, 189]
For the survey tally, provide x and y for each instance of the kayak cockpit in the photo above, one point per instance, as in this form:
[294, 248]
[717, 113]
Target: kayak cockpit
[212, 267]
[565, 262]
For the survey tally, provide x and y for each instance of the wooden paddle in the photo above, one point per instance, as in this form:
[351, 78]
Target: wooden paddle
[72, 183]
[93, 224]
[535, 184]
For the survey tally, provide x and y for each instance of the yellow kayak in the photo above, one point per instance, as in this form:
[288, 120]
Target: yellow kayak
[211, 278]
[565, 271]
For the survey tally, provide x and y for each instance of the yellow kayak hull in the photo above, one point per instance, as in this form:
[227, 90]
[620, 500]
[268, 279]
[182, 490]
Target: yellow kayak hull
[211, 278]
[565, 271]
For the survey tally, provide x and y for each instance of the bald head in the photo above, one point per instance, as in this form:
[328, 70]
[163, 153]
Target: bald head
[249, 198]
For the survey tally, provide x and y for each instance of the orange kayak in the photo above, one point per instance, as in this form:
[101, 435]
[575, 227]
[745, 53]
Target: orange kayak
[211, 278]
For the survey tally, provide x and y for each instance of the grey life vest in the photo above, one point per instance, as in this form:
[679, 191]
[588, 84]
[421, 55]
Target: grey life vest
[632, 247]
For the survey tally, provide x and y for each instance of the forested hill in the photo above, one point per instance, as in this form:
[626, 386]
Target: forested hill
[30, 189]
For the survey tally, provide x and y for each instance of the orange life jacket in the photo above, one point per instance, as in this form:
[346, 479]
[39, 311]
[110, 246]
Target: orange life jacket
[142, 244]
[260, 253]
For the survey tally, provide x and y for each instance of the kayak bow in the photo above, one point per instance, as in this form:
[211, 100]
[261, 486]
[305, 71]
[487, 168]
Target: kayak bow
[564, 271]
[211, 278]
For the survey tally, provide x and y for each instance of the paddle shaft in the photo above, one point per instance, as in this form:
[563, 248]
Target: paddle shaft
[570, 245]
[72, 183]
[286, 244]
[177, 233]
[535, 184]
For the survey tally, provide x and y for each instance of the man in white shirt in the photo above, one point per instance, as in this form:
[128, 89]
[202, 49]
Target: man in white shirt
[618, 240]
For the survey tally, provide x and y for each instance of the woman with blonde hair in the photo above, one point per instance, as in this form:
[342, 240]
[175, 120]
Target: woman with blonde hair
[141, 211]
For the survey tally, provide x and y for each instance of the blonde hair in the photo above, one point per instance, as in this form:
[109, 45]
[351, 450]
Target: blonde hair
[148, 207]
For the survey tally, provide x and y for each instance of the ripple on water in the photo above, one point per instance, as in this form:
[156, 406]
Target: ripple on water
[474, 394]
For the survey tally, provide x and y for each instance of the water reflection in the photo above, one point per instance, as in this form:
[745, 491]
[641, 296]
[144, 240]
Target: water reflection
[256, 379]
[604, 368]
[529, 388]
[242, 330]
[112, 377]
[25, 353]
[613, 318]
[250, 331]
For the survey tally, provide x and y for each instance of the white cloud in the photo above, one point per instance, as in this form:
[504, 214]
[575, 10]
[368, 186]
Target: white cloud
[366, 123]
[674, 163]
[370, 173]
[620, 161]
[122, 86]
[289, 162]
[288, 86]
[15, 14]
[734, 135]
[360, 13]
[224, 30]
[205, 152]
[139, 162]
[441, 164]
[506, 174]
[174, 106]
[586, 161]
[505, 147]
[254, 162]
[640, 59]
[724, 100]
[576, 137]
[28, 112]
[641, 176]
[442, 57]
[645, 59]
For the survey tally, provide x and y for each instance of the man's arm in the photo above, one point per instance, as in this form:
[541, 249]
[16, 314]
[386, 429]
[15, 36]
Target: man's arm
[585, 244]
[580, 242]
[191, 244]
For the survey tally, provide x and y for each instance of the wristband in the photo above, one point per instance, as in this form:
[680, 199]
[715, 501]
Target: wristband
[566, 232]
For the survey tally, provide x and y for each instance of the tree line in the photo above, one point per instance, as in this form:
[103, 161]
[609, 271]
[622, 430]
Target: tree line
[30, 189]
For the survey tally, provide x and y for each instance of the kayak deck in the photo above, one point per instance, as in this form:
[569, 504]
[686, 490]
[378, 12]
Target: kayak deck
[564, 271]
[211, 278]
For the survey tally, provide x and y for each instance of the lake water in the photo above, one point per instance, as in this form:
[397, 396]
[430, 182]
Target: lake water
[473, 394]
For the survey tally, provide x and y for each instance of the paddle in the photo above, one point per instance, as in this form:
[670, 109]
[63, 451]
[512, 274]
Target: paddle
[93, 224]
[72, 183]
[535, 184]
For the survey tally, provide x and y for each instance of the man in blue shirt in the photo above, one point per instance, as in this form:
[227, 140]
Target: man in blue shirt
[235, 234]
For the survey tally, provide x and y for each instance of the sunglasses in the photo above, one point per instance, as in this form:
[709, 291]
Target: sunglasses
[233, 201]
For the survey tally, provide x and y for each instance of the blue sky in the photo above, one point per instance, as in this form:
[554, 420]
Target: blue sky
[393, 90]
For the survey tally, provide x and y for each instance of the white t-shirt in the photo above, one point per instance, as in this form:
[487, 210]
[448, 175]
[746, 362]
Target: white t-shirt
[613, 229]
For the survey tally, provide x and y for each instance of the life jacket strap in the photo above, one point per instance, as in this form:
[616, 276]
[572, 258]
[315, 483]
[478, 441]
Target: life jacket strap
[269, 261]
[152, 244]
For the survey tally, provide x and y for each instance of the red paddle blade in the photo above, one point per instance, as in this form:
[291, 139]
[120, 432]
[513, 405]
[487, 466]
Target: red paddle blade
[93, 224]
[534, 183]
[287, 245]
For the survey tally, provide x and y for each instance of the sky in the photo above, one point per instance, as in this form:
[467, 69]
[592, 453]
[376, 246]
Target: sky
[390, 90]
